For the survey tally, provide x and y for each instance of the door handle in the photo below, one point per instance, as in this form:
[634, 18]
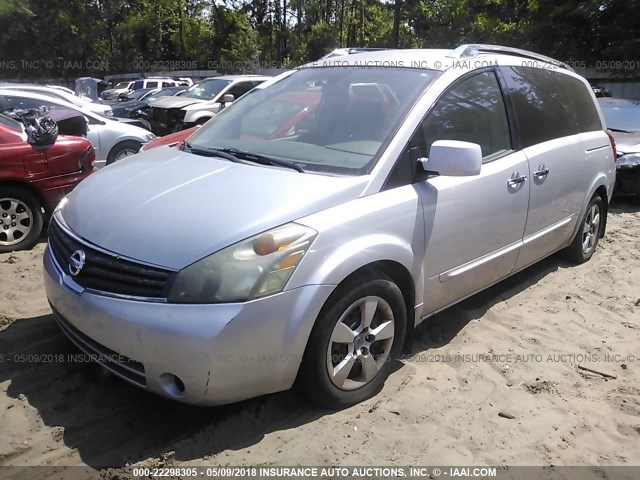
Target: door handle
[516, 180]
[541, 172]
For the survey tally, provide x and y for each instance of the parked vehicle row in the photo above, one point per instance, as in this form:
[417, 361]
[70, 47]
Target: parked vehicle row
[200, 102]
[301, 235]
[143, 83]
[111, 139]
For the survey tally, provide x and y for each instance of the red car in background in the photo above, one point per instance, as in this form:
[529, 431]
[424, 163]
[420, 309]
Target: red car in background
[296, 108]
[33, 179]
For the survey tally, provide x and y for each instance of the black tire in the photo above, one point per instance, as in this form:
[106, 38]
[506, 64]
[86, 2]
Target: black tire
[131, 145]
[314, 380]
[585, 242]
[19, 233]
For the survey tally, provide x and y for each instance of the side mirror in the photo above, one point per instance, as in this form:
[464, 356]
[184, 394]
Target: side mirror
[452, 158]
[228, 98]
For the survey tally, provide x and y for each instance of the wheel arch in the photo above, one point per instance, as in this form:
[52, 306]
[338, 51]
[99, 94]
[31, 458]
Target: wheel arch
[399, 275]
[598, 187]
[121, 141]
[10, 182]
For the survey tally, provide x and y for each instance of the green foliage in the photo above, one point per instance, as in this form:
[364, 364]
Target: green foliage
[98, 37]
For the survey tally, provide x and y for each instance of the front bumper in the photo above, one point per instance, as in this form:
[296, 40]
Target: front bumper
[627, 180]
[221, 353]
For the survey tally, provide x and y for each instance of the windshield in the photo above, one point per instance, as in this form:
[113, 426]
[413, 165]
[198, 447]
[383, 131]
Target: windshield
[207, 89]
[137, 94]
[332, 119]
[165, 92]
[122, 85]
[622, 116]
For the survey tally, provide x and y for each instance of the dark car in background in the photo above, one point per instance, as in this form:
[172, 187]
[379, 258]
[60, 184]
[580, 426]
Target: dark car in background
[622, 117]
[136, 104]
[33, 179]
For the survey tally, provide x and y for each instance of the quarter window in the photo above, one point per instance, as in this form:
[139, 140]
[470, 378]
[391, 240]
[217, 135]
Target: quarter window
[549, 104]
[472, 111]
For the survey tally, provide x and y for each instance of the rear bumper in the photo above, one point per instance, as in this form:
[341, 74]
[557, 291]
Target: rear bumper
[627, 181]
[221, 353]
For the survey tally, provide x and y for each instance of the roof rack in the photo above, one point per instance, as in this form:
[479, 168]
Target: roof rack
[473, 49]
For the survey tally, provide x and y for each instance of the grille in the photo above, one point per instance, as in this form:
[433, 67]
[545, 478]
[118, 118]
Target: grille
[108, 273]
[117, 363]
[165, 120]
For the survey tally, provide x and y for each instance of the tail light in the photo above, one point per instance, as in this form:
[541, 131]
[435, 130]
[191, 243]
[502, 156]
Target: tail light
[613, 144]
[85, 163]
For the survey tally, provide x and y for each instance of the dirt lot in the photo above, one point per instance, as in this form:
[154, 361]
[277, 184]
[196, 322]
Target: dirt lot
[441, 407]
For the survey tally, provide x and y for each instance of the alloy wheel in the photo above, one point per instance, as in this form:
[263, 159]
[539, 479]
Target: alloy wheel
[360, 343]
[16, 221]
[591, 229]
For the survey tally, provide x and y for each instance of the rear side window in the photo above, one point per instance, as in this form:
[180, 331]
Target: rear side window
[152, 84]
[549, 104]
[471, 111]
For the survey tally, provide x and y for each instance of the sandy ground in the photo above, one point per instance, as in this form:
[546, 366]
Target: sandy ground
[440, 407]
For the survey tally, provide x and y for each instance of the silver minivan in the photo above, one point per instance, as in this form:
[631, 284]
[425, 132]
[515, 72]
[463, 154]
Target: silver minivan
[301, 235]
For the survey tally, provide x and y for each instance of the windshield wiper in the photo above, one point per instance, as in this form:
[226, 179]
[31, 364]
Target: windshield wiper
[208, 152]
[261, 159]
[619, 130]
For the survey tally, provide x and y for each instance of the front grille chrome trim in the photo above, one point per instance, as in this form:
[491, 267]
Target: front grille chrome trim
[107, 273]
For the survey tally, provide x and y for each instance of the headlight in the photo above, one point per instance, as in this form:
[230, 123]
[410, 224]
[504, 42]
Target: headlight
[108, 113]
[256, 267]
[628, 160]
[150, 136]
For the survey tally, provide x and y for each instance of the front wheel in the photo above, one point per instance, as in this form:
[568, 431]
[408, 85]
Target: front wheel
[20, 219]
[123, 150]
[357, 336]
[589, 232]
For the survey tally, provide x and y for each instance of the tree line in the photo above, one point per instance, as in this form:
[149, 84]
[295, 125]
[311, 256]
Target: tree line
[70, 38]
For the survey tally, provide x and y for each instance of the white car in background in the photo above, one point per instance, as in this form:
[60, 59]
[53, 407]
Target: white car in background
[200, 102]
[63, 94]
[111, 139]
[113, 93]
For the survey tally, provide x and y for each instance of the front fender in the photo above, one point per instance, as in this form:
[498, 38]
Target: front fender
[387, 226]
[195, 116]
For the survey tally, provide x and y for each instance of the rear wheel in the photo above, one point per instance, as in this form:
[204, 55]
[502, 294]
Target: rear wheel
[351, 348]
[123, 150]
[586, 240]
[20, 219]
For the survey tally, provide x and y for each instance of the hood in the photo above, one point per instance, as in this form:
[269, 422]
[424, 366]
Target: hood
[170, 208]
[175, 102]
[627, 142]
[128, 106]
[208, 105]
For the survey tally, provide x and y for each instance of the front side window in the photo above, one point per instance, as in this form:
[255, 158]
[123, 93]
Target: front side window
[207, 89]
[471, 111]
[240, 89]
[333, 120]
